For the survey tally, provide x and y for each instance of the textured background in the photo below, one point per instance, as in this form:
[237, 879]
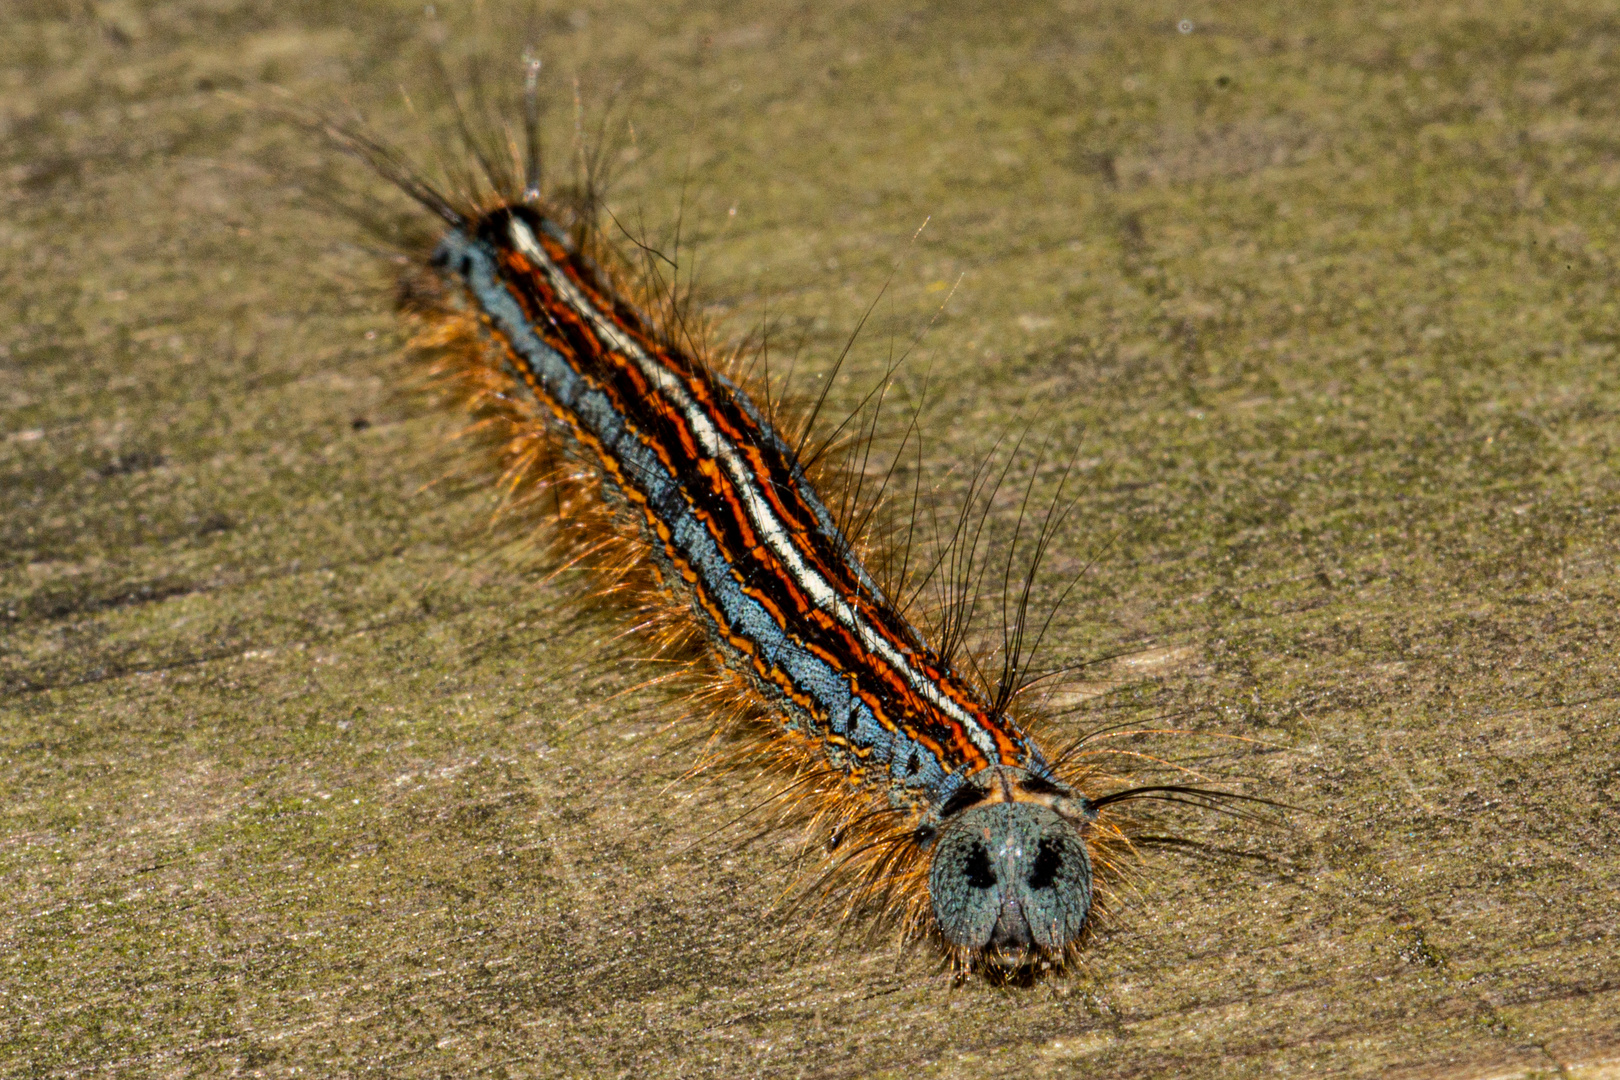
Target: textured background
[300, 775]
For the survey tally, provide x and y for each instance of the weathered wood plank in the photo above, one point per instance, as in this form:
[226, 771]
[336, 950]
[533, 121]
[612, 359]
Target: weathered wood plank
[298, 775]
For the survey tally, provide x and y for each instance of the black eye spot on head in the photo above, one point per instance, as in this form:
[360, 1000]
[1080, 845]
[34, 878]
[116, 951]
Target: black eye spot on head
[1048, 861]
[977, 870]
[964, 798]
[1038, 785]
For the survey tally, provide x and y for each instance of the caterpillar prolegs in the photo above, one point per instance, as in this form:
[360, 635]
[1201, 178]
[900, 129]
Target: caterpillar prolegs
[689, 490]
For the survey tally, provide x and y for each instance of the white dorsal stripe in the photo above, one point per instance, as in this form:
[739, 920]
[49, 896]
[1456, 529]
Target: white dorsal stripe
[764, 519]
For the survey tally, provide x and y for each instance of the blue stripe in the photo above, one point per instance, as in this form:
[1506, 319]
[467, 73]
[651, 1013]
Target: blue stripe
[478, 265]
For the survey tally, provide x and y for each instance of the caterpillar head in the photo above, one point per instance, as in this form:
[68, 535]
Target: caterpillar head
[1010, 877]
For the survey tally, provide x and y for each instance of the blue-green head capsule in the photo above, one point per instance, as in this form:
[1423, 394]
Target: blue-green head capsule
[1011, 876]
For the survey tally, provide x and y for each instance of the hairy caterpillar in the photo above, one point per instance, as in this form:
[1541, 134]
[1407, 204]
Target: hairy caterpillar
[688, 490]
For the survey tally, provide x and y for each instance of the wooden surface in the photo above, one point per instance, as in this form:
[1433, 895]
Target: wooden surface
[299, 775]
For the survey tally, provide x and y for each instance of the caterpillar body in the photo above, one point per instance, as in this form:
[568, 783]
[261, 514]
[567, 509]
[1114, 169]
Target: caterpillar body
[686, 495]
[734, 527]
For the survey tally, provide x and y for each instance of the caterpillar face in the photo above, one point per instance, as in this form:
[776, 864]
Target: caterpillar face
[1011, 879]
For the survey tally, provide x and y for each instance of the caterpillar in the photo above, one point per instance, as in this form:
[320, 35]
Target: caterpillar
[675, 476]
